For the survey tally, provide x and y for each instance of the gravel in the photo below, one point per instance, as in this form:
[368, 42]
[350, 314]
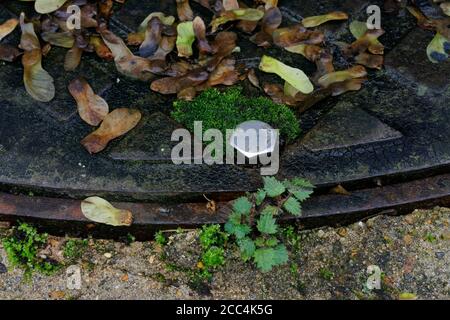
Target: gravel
[409, 254]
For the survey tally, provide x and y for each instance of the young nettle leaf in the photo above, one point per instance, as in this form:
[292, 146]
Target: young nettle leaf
[292, 206]
[260, 195]
[272, 242]
[270, 210]
[267, 223]
[247, 248]
[260, 242]
[273, 187]
[238, 230]
[301, 195]
[235, 218]
[300, 188]
[242, 205]
[267, 258]
[298, 182]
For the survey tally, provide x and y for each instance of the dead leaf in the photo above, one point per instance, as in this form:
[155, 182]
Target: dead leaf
[115, 124]
[297, 34]
[128, 64]
[8, 53]
[339, 76]
[318, 20]
[200, 34]
[369, 41]
[224, 74]
[101, 49]
[91, 107]
[370, 60]
[173, 85]
[101, 211]
[7, 27]
[224, 44]
[153, 36]
[247, 14]
[184, 10]
[339, 189]
[253, 78]
[57, 295]
[187, 94]
[270, 22]
[59, 39]
[37, 81]
[73, 58]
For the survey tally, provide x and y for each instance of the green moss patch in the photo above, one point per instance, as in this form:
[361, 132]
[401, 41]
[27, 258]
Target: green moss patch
[225, 110]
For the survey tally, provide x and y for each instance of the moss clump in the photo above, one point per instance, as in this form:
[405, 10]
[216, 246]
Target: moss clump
[22, 250]
[74, 249]
[226, 110]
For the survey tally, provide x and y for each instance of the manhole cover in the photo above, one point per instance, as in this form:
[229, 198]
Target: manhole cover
[395, 127]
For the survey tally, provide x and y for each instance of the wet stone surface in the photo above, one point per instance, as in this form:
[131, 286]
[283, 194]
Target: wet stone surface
[397, 124]
[418, 71]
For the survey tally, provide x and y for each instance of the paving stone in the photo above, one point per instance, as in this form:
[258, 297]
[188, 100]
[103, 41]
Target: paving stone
[346, 126]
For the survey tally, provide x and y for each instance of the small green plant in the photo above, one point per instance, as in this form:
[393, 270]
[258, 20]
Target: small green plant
[74, 249]
[212, 240]
[253, 222]
[22, 249]
[225, 110]
[160, 238]
[431, 238]
[212, 235]
[326, 274]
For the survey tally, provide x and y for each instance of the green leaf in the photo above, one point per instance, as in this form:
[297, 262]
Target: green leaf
[301, 195]
[247, 248]
[273, 187]
[238, 230]
[300, 188]
[235, 218]
[295, 77]
[267, 258]
[185, 38]
[242, 205]
[272, 242]
[293, 206]
[260, 196]
[267, 223]
[270, 210]
[260, 242]
[303, 183]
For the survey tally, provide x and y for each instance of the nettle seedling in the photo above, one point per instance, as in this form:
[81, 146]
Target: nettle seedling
[254, 220]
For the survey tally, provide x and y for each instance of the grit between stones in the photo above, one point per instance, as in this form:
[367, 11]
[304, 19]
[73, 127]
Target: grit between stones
[412, 251]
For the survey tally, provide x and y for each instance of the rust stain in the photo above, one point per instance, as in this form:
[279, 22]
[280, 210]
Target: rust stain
[7, 208]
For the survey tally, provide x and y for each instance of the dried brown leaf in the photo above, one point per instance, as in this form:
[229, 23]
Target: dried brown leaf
[184, 10]
[7, 27]
[8, 53]
[297, 34]
[200, 34]
[91, 107]
[173, 85]
[153, 36]
[115, 124]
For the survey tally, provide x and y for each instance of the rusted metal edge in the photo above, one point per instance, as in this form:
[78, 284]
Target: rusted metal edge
[64, 216]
